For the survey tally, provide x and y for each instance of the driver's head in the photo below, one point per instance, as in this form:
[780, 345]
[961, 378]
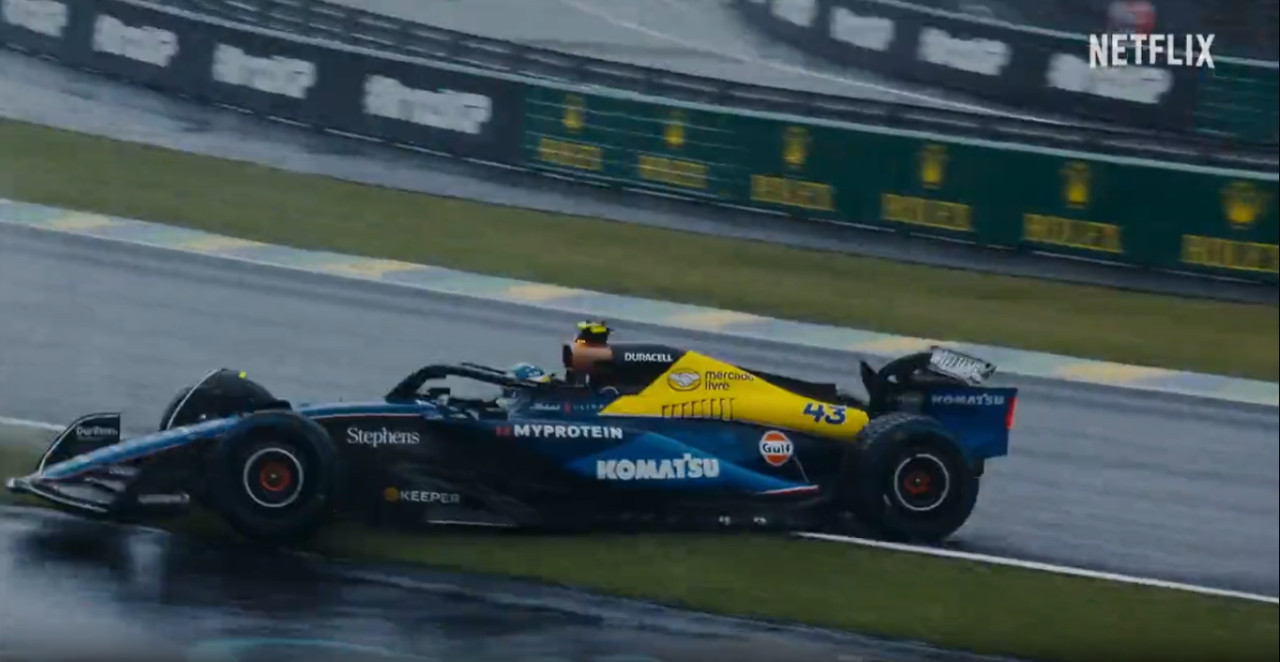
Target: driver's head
[530, 373]
[592, 333]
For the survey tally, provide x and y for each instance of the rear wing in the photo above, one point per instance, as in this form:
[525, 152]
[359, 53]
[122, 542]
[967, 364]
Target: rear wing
[951, 387]
[957, 365]
[938, 366]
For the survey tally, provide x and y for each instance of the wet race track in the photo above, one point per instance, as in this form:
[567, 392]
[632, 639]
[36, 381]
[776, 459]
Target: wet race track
[1174, 489]
[79, 591]
[1111, 480]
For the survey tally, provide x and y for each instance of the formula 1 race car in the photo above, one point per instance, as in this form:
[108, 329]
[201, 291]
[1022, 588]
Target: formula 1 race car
[633, 435]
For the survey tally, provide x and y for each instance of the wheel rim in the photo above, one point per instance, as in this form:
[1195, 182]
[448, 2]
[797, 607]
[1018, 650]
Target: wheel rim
[273, 477]
[921, 483]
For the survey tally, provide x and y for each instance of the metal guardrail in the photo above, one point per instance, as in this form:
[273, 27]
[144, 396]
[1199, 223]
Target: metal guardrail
[355, 27]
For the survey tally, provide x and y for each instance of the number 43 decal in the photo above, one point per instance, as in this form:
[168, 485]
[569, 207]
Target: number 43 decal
[832, 414]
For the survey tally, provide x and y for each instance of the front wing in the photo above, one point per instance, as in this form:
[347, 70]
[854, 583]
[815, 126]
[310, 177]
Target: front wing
[118, 479]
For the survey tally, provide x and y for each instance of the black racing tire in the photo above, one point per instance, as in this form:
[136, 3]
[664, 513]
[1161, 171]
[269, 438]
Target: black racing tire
[276, 481]
[167, 415]
[908, 481]
[225, 394]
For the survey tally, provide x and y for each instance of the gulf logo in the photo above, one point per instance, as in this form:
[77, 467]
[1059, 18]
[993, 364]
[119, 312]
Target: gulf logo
[776, 448]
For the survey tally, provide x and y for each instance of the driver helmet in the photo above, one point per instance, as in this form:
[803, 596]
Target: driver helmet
[529, 372]
[593, 333]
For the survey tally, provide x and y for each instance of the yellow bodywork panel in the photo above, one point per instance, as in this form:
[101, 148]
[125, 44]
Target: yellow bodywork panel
[700, 387]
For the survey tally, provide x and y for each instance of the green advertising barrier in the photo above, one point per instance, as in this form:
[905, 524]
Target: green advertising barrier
[1053, 201]
[650, 145]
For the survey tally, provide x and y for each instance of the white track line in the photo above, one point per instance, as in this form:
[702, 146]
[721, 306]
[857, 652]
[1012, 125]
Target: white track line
[24, 423]
[1043, 567]
[927, 551]
[604, 15]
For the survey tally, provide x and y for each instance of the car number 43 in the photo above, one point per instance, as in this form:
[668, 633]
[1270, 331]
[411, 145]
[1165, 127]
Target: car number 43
[832, 414]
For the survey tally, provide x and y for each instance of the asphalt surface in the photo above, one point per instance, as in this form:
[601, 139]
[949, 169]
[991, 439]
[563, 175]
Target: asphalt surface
[1175, 489]
[1163, 487]
[82, 591]
[46, 93]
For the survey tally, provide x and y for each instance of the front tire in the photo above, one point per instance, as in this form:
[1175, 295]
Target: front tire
[908, 480]
[224, 393]
[276, 481]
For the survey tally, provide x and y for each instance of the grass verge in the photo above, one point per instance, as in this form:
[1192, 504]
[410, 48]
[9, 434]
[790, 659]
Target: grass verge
[952, 604]
[87, 173]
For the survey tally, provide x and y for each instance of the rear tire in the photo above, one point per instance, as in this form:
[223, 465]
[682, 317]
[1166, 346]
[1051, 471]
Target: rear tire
[275, 482]
[908, 480]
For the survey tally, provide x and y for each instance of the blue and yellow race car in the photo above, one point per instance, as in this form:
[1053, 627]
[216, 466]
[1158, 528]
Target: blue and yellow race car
[631, 436]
